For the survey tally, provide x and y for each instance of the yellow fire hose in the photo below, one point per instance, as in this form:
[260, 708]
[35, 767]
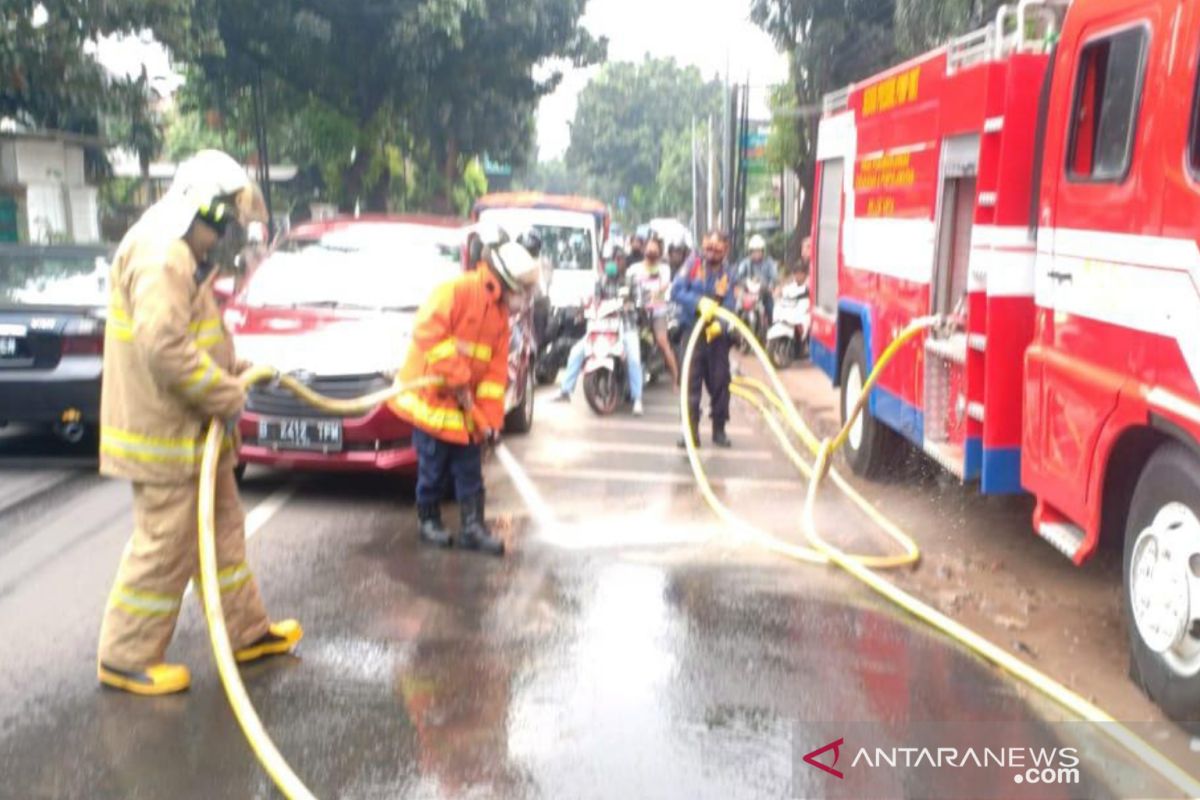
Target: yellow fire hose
[260, 741]
[770, 401]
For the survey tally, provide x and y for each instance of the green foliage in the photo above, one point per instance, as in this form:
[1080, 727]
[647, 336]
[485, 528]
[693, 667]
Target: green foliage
[418, 81]
[924, 24]
[48, 80]
[474, 186]
[631, 134]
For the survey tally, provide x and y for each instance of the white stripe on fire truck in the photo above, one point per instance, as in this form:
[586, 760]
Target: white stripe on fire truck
[1144, 283]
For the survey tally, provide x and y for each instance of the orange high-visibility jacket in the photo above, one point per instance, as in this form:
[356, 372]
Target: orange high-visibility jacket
[461, 335]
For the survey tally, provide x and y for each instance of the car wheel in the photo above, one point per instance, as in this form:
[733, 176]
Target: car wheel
[520, 419]
[872, 447]
[1162, 583]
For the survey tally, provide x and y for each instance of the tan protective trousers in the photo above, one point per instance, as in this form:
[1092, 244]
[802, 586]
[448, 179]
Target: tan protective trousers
[159, 560]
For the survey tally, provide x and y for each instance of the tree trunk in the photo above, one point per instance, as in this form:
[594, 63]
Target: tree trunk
[443, 201]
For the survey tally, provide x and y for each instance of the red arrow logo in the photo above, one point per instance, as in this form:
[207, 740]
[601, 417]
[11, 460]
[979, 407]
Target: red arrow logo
[811, 758]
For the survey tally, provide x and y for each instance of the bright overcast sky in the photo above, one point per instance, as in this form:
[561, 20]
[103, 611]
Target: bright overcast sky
[700, 32]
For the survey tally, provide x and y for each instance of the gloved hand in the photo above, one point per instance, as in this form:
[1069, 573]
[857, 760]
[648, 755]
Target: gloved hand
[712, 331]
[465, 398]
[706, 309]
[491, 437]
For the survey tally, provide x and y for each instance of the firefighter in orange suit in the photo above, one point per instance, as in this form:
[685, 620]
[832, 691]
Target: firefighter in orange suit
[461, 336]
[169, 368]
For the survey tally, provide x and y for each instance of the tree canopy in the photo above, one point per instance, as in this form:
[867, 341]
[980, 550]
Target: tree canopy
[424, 85]
[632, 131]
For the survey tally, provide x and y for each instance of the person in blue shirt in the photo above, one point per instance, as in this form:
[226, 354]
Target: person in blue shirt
[712, 278]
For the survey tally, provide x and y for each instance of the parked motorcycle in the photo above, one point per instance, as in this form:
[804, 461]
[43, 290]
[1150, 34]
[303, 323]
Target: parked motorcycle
[788, 338]
[752, 311]
[565, 327]
[605, 372]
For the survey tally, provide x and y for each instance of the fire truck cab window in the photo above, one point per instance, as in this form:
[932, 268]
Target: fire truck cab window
[1108, 89]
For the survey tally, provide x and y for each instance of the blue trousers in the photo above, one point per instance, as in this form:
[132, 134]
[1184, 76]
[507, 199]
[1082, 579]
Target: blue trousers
[438, 461]
[633, 364]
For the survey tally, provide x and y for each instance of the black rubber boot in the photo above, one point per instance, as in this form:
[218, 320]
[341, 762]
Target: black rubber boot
[432, 530]
[475, 534]
[720, 439]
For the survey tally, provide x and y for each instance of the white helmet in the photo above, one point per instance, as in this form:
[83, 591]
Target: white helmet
[211, 185]
[757, 243]
[518, 270]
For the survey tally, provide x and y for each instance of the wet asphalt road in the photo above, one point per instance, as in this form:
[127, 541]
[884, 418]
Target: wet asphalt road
[627, 646]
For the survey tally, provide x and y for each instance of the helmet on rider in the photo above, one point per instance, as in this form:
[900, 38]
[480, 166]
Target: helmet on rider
[757, 244]
[531, 241]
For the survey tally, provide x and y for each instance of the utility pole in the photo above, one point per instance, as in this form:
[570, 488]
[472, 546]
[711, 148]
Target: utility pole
[264, 155]
[711, 210]
[695, 217]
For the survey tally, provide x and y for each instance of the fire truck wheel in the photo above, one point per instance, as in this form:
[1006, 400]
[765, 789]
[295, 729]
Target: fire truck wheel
[1162, 582]
[872, 448]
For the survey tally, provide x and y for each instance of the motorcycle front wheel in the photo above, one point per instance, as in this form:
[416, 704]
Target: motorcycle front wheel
[603, 391]
[780, 351]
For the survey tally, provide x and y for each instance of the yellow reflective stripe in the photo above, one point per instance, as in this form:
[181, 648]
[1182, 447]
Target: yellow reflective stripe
[209, 340]
[441, 351]
[124, 444]
[480, 352]
[143, 603]
[234, 577]
[119, 322]
[202, 379]
[490, 390]
[451, 347]
[121, 330]
[444, 419]
[210, 324]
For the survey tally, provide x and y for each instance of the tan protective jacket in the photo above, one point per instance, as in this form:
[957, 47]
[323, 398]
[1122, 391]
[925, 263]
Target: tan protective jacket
[168, 363]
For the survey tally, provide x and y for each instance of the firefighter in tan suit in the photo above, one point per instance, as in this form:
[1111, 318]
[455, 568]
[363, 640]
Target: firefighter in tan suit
[169, 368]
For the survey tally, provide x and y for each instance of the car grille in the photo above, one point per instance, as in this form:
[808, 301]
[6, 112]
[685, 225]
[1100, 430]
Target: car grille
[276, 401]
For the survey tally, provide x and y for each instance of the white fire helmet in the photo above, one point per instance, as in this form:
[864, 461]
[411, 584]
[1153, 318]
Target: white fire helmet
[515, 267]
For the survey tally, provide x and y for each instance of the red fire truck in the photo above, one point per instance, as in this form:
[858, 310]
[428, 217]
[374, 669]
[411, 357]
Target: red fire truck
[1036, 185]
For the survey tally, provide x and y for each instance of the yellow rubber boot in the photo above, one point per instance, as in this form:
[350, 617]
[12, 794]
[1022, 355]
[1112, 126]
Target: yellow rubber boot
[159, 679]
[280, 638]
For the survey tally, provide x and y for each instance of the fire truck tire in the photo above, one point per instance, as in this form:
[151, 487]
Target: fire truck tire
[873, 448]
[1163, 515]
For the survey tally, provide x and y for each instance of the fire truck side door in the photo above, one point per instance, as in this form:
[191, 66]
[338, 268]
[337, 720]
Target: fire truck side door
[1108, 194]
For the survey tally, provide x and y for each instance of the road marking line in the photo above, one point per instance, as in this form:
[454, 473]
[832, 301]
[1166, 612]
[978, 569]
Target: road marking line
[572, 449]
[539, 509]
[259, 516]
[672, 478]
[646, 426]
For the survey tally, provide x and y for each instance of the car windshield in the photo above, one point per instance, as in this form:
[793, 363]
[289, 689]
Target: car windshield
[568, 248]
[53, 276]
[365, 267]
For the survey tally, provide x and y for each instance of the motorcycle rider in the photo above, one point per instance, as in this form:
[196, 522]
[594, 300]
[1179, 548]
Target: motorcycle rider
[761, 266]
[699, 290]
[677, 255]
[531, 240]
[609, 287]
[651, 280]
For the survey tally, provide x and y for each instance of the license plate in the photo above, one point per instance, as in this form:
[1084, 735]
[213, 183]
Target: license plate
[8, 347]
[323, 435]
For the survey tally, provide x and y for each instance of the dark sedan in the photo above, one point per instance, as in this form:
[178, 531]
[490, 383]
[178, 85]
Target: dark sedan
[52, 307]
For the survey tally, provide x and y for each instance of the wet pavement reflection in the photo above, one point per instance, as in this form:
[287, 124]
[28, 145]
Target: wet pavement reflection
[666, 662]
